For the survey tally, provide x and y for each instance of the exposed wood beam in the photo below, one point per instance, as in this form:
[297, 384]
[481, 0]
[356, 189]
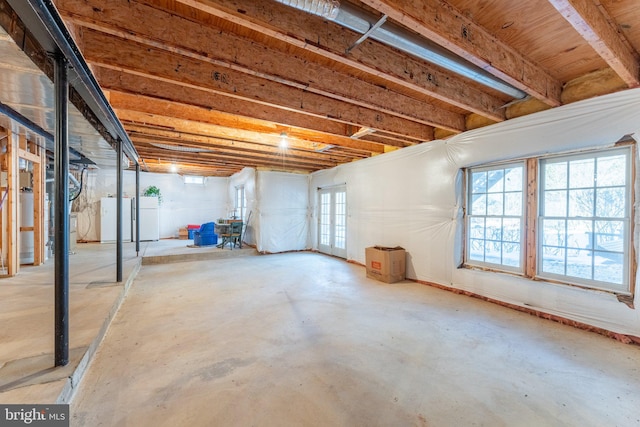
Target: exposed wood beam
[219, 48]
[437, 20]
[223, 109]
[228, 151]
[111, 52]
[196, 119]
[160, 166]
[591, 22]
[331, 41]
[226, 159]
[204, 129]
[195, 140]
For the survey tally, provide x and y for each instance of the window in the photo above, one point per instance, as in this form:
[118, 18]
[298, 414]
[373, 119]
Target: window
[580, 232]
[240, 206]
[585, 219]
[495, 219]
[192, 179]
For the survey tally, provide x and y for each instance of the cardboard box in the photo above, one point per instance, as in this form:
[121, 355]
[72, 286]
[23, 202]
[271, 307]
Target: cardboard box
[385, 264]
[183, 233]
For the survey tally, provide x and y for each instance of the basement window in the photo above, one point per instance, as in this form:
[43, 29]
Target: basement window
[192, 179]
[565, 219]
[495, 216]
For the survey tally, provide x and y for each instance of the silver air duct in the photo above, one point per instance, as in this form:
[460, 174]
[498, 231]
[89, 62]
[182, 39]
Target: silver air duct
[363, 22]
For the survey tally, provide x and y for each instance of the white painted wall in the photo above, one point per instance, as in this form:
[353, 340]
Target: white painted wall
[414, 198]
[182, 203]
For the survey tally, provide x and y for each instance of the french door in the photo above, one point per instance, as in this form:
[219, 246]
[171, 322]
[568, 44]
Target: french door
[332, 221]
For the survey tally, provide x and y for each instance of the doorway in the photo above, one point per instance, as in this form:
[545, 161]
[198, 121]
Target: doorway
[332, 221]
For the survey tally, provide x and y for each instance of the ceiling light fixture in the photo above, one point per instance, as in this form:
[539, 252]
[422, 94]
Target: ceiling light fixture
[173, 168]
[283, 141]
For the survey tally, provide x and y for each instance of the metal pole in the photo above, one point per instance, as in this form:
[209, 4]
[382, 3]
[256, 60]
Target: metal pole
[137, 208]
[61, 212]
[119, 216]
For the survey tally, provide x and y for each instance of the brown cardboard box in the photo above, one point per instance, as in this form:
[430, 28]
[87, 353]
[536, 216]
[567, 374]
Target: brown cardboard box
[385, 264]
[183, 233]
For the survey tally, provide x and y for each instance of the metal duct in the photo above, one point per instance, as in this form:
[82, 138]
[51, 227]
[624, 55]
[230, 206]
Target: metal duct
[362, 21]
[325, 8]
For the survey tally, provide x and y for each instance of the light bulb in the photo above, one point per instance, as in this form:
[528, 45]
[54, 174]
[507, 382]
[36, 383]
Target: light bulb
[283, 140]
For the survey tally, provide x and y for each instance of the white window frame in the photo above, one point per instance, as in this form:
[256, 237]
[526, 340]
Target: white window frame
[531, 243]
[194, 179]
[470, 216]
[626, 219]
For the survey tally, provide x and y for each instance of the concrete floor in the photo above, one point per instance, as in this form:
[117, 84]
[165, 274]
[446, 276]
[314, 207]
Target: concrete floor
[27, 374]
[26, 312]
[302, 339]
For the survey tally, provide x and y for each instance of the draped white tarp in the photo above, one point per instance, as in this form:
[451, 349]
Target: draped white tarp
[283, 204]
[413, 198]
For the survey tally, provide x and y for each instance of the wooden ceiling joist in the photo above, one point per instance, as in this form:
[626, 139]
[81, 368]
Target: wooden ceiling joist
[237, 53]
[227, 160]
[331, 41]
[440, 22]
[173, 145]
[595, 27]
[206, 142]
[187, 126]
[213, 85]
[115, 53]
[229, 111]
[198, 115]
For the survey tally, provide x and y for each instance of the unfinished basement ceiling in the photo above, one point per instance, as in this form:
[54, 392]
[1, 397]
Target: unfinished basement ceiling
[213, 86]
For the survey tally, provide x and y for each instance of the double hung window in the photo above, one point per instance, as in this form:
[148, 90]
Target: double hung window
[578, 231]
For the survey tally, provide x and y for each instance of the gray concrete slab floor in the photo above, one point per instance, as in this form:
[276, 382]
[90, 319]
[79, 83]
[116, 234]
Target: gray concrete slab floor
[302, 339]
[27, 373]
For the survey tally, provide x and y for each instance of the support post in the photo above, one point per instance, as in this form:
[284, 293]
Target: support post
[119, 216]
[61, 155]
[137, 208]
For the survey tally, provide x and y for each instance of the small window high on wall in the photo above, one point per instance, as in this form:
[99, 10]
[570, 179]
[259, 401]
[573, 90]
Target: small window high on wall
[565, 219]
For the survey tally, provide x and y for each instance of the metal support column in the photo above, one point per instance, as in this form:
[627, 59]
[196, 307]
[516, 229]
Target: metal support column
[119, 215]
[137, 208]
[61, 220]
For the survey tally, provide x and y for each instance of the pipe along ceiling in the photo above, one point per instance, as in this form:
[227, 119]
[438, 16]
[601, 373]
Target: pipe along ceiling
[393, 35]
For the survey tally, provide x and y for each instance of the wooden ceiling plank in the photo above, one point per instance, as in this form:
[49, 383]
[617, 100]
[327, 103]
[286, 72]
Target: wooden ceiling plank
[223, 49]
[227, 111]
[111, 52]
[331, 41]
[170, 123]
[196, 118]
[224, 159]
[200, 141]
[440, 22]
[321, 159]
[594, 26]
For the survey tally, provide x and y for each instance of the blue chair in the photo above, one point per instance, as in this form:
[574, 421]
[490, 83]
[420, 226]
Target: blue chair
[206, 235]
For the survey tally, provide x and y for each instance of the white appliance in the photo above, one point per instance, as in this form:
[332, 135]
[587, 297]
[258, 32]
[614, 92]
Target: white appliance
[26, 220]
[109, 220]
[149, 219]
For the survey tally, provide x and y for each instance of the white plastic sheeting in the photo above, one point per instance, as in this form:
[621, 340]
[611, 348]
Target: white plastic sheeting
[182, 203]
[245, 178]
[279, 206]
[283, 199]
[413, 198]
